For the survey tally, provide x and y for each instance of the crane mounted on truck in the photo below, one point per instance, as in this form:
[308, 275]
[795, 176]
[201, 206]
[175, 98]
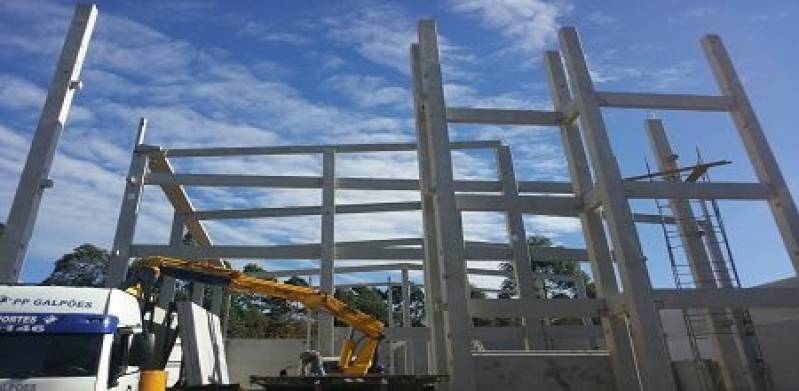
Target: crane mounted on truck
[357, 354]
[68, 338]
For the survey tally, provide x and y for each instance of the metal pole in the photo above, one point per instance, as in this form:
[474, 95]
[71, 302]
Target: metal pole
[35, 175]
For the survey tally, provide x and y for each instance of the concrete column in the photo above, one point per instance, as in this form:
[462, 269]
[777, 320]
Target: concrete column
[392, 365]
[326, 276]
[617, 337]
[457, 322]
[129, 211]
[434, 298]
[768, 172]
[522, 270]
[652, 357]
[406, 320]
[167, 293]
[733, 372]
[35, 175]
[749, 346]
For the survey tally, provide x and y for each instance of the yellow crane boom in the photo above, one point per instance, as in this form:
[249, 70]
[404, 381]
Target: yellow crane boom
[356, 355]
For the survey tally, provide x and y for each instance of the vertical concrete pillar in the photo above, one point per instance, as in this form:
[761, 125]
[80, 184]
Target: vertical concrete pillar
[167, 293]
[650, 350]
[326, 276]
[768, 172]
[129, 211]
[449, 231]
[526, 286]
[406, 320]
[733, 372]
[392, 365]
[617, 337]
[435, 302]
[35, 175]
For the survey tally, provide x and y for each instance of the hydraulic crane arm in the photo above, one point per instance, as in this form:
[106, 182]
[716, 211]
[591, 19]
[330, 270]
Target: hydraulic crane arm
[350, 361]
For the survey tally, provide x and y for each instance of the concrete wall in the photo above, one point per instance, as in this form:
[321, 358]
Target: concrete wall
[525, 371]
[265, 357]
[776, 333]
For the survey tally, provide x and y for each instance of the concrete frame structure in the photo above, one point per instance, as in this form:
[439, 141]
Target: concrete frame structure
[151, 166]
[597, 195]
[631, 310]
[35, 174]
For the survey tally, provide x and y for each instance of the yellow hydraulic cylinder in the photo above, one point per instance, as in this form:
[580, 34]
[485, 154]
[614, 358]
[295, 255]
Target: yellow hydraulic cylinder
[152, 380]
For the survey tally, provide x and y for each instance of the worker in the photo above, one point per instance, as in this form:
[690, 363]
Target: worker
[311, 363]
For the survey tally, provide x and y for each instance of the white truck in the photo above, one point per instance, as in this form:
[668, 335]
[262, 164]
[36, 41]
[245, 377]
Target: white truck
[61, 338]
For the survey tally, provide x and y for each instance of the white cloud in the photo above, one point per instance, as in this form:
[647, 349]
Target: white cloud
[601, 18]
[370, 91]
[20, 94]
[381, 33]
[266, 33]
[529, 25]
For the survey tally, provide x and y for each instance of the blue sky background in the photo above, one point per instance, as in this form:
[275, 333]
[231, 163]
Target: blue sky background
[265, 73]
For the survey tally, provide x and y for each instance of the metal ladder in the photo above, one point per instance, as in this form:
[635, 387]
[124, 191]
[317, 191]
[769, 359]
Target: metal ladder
[725, 275]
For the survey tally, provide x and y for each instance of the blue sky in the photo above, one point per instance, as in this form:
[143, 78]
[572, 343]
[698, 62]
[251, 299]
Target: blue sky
[264, 73]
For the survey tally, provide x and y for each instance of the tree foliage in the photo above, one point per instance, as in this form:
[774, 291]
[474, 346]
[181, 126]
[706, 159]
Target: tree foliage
[86, 266]
[552, 288]
[257, 316]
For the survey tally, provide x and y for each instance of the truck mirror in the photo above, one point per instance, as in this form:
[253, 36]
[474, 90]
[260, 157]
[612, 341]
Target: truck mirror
[142, 351]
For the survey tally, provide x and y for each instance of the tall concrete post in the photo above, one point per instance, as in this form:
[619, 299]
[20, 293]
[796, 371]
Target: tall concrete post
[449, 230]
[757, 148]
[652, 357]
[527, 287]
[434, 299]
[733, 372]
[35, 175]
[406, 320]
[129, 211]
[617, 336]
[326, 275]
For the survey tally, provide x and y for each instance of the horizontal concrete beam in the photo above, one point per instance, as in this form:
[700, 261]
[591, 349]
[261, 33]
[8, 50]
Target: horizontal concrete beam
[545, 187]
[503, 116]
[256, 213]
[316, 149]
[664, 101]
[540, 205]
[294, 251]
[315, 182]
[535, 308]
[696, 190]
[727, 298]
[652, 219]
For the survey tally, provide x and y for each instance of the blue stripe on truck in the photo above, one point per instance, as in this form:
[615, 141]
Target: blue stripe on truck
[57, 323]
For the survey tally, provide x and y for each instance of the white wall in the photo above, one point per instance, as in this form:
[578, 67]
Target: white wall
[265, 357]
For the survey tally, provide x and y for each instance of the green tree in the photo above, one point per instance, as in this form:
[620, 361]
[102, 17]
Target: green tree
[417, 307]
[259, 316]
[366, 299]
[86, 265]
[552, 288]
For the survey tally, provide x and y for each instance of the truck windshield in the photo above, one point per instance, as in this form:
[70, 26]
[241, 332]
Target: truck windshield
[49, 355]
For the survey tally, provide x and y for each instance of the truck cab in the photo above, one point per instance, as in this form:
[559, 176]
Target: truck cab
[64, 338]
